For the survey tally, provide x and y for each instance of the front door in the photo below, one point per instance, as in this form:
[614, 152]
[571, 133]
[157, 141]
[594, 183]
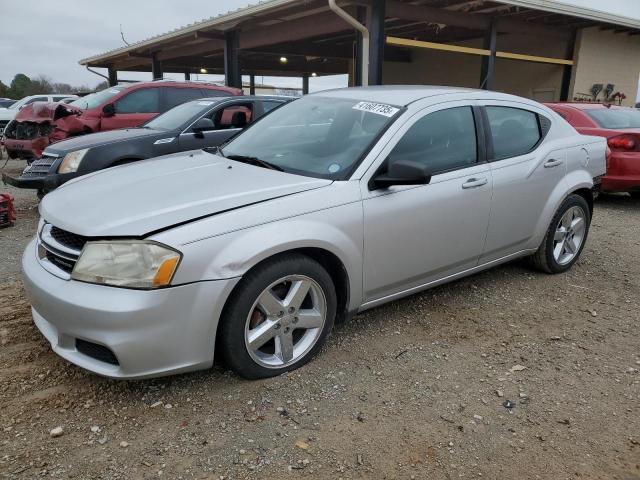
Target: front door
[415, 235]
[228, 120]
[133, 109]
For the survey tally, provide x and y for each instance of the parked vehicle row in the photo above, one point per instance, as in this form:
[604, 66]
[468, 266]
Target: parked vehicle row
[196, 124]
[330, 205]
[38, 124]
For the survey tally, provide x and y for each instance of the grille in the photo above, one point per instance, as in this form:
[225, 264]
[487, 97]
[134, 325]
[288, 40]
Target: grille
[99, 352]
[60, 262]
[40, 167]
[3, 124]
[4, 218]
[68, 239]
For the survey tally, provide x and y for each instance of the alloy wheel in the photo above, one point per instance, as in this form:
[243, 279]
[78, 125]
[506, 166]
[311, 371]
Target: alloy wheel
[285, 322]
[569, 235]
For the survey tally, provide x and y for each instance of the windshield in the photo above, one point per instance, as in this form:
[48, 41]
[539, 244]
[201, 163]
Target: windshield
[178, 116]
[616, 118]
[315, 136]
[94, 100]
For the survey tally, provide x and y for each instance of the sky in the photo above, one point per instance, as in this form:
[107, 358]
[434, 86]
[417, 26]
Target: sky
[38, 37]
[49, 38]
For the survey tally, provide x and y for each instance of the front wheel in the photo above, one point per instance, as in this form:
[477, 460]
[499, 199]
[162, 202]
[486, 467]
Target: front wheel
[565, 238]
[278, 318]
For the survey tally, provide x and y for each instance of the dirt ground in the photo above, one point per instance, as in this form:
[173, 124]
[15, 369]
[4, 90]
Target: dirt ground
[413, 389]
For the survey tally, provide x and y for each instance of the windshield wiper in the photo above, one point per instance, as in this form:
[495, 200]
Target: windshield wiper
[253, 161]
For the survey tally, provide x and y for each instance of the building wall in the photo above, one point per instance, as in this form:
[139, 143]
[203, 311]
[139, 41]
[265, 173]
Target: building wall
[528, 79]
[603, 56]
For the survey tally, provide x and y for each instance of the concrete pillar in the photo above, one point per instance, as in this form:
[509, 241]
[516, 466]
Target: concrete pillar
[187, 76]
[233, 77]
[113, 77]
[375, 24]
[252, 84]
[487, 72]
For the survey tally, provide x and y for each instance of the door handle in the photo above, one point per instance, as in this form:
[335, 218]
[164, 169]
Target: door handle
[474, 183]
[552, 163]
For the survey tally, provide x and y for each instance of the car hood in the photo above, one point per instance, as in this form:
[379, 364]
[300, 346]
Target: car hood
[46, 112]
[151, 195]
[104, 138]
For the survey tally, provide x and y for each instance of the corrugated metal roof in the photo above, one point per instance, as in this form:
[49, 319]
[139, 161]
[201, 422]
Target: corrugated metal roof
[217, 21]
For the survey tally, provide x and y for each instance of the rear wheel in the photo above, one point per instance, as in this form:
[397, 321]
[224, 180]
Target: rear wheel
[565, 237]
[278, 318]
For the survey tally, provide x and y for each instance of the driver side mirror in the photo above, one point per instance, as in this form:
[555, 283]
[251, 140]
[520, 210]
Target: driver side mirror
[402, 172]
[203, 125]
[109, 110]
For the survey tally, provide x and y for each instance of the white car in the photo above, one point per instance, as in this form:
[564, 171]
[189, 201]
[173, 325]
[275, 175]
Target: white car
[332, 204]
[8, 114]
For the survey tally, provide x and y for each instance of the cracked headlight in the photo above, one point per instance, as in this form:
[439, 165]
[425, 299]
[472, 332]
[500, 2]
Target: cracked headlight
[71, 161]
[126, 263]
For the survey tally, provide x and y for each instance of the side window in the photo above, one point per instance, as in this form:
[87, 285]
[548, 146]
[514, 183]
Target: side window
[235, 116]
[443, 140]
[212, 92]
[175, 96]
[140, 101]
[59, 98]
[514, 131]
[36, 99]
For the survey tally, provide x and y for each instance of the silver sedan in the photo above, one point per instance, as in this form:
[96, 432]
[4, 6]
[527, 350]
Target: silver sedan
[331, 205]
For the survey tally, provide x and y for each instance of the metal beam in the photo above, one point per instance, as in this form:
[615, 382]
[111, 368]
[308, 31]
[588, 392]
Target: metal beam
[232, 74]
[489, 62]
[113, 77]
[375, 24]
[568, 69]
[156, 68]
[252, 84]
[361, 16]
[305, 84]
[187, 75]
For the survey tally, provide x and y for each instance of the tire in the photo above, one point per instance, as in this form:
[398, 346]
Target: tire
[259, 310]
[546, 258]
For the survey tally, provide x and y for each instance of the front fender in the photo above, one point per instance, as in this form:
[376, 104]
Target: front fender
[336, 230]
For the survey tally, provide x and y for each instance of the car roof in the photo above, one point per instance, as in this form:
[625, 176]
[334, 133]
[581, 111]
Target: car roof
[176, 83]
[403, 95]
[584, 105]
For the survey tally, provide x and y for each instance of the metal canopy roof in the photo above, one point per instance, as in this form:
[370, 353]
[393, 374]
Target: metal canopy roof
[314, 39]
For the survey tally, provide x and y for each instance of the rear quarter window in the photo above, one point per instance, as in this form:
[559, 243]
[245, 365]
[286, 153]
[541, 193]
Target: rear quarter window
[514, 131]
[175, 96]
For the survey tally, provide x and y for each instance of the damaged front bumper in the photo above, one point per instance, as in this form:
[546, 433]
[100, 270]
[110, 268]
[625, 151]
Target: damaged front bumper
[40, 175]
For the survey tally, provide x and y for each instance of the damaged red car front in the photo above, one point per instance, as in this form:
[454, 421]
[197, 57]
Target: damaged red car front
[40, 123]
[123, 106]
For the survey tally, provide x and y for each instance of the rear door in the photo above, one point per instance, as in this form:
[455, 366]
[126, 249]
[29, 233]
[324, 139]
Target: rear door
[524, 172]
[134, 108]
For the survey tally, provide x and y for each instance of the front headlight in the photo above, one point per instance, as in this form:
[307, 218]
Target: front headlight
[71, 161]
[127, 263]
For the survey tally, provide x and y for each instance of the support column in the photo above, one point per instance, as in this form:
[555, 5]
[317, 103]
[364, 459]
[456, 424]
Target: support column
[113, 77]
[252, 84]
[361, 16]
[187, 75]
[305, 84]
[568, 69]
[232, 75]
[487, 72]
[156, 68]
[375, 24]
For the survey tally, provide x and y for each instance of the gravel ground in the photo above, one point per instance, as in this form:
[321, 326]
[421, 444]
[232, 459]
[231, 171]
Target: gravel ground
[413, 389]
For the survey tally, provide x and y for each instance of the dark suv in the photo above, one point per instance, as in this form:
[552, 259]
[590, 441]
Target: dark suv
[40, 124]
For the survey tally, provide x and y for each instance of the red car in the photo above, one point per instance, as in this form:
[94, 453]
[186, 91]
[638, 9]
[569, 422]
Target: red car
[40, 124]
[621, 127]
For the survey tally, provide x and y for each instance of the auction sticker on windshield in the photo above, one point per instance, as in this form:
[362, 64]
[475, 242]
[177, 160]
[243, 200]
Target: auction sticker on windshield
[379, 108]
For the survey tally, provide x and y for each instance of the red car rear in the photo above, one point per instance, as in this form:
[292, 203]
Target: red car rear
[123, 106]
[621, 127]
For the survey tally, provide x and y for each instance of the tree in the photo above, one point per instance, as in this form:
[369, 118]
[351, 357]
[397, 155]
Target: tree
[4, 90]
[19, 86]
[41, 84]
